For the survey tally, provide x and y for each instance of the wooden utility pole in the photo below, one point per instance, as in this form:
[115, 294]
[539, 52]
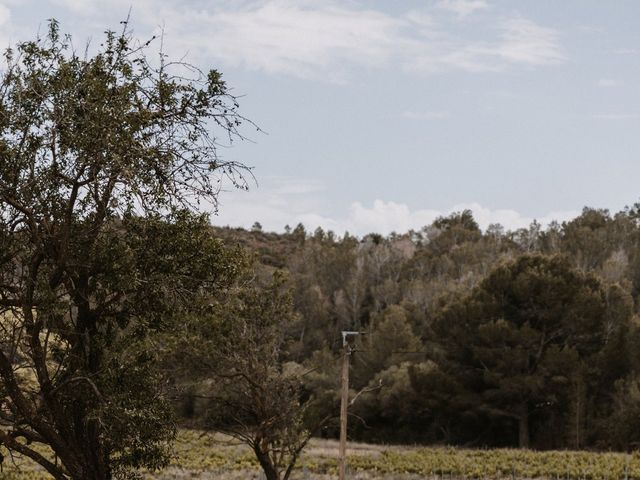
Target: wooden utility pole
[344, 404]
[344, 401]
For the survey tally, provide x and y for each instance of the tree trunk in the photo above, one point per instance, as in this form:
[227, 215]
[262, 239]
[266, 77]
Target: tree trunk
[94, 472]
[97, 468]
[577, 410]
[95, 463]
[268, 468]
[523, 425]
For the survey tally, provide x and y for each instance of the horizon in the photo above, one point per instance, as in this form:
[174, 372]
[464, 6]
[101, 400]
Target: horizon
[545, 224]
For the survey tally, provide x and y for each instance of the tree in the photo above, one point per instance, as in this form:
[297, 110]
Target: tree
[251, 393]
[622, 427]
[103, 161]
[457, 228]
[519, 338]
[587, 238]
[389, 342]
[392, 408]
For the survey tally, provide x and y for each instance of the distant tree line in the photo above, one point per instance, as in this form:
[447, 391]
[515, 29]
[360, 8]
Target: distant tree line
[498, 338]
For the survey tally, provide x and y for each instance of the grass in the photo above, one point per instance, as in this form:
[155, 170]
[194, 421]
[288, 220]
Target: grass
[205, 456]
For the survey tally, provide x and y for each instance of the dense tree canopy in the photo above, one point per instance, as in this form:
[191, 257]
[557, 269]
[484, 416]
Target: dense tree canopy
[102, 160]
[538, 324]
[520, 338]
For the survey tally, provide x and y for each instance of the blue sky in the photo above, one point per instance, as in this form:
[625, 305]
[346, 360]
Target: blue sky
[381, 115]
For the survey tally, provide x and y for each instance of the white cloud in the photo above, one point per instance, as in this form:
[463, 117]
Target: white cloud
[520, 42]
[608, 83]
[292, 201]
[327, 39]
[511, 219]
[386, 217]
[299, 38]
[462, 8]
[306, 39]
[525, 42]
[279, 202]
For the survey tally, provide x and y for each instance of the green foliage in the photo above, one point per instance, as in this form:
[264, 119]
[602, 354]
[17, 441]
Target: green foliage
[389, 341]
[523, 334]
[393, 406]
[623, 425]
[238, 348]
[485, 349]
[103, 160]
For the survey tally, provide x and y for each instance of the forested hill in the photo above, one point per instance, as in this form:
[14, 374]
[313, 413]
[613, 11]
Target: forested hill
[489, 338]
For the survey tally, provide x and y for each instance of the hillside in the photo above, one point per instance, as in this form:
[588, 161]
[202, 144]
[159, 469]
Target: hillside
[404, 290]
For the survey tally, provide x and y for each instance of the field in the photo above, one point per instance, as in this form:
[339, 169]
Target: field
[204, 456]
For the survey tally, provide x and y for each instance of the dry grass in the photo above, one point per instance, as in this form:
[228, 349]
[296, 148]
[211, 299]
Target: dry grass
[329, 448]
[206, 456]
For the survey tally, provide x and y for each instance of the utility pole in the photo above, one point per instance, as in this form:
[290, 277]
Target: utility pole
[344, 401]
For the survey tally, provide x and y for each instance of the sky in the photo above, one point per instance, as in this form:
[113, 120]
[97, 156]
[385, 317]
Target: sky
[379, 116]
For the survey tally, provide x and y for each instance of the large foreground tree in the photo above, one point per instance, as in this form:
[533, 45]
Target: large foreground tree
[103, 160]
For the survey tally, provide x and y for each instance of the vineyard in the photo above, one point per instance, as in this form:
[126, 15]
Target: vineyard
[204, 456]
